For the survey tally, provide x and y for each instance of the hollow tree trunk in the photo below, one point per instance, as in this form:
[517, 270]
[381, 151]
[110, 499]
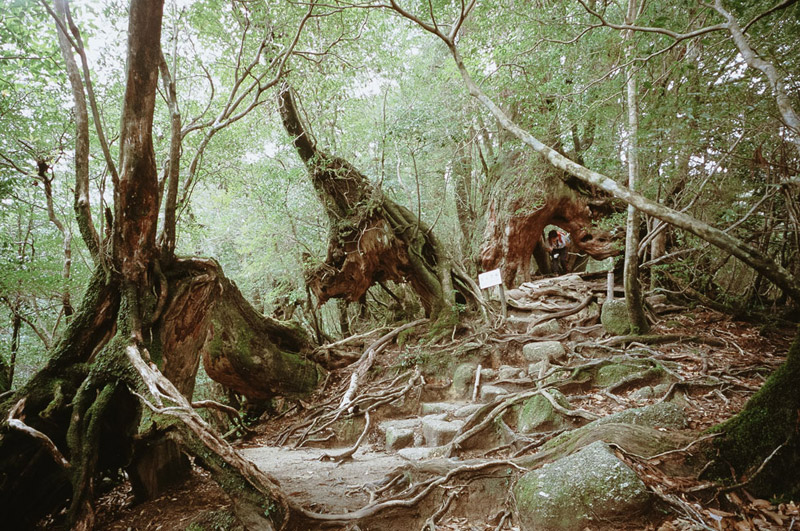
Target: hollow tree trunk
[514, 232]
[371, 239]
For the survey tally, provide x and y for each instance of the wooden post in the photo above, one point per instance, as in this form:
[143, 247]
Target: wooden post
[610, 285]
[477, 383]
[503, 301]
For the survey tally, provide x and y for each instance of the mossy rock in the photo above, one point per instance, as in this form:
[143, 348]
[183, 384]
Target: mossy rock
[463, 380]
[538, 414]
[614, 316]
[595, 266]
[543, 350]
[613, 373]
[590, 485]
[554, 379]
[548, 328]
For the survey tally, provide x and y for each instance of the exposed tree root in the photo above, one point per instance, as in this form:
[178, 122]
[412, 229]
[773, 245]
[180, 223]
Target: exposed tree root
[260, 504]
[567, 312]
[662, 339]
[430, 523]
[410, 496]
[348, 454]
[49, 445]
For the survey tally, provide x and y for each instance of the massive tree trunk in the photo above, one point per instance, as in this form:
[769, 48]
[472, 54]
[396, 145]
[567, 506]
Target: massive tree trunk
[516, 222]
[371, 239]
[78, 417]
[254, 355]
[766, 428]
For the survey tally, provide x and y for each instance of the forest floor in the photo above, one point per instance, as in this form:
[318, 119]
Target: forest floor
[750, 353]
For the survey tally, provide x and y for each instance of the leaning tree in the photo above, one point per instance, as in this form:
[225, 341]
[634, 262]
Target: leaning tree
[119, 381]
[371, 237]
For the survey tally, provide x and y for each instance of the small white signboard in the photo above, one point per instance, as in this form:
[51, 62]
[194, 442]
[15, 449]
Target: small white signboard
[489, 279]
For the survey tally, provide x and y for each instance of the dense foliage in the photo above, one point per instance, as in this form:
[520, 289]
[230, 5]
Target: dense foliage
[384, 94]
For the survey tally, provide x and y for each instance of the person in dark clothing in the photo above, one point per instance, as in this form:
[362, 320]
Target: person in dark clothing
[557, 243]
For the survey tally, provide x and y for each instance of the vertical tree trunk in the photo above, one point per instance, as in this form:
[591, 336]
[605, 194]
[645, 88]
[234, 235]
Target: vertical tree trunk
[16, 324]
[81, 205]
[633, 291]
[462, 172]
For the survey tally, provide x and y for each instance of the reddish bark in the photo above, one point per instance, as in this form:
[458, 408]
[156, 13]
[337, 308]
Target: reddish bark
[510, 239]
[254, 355]
[372, 239]
[136, 194]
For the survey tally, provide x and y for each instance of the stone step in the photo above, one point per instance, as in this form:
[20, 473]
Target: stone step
[458, 410]
[438, 432]
[490, 393]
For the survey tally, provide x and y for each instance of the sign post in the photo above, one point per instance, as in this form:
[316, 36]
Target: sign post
[493, 278]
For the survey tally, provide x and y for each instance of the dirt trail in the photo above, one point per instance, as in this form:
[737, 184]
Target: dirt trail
[324, 486]
[717, 373]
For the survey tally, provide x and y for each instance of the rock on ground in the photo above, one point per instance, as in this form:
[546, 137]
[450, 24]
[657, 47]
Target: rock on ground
[589, 485]
[614, 316]
[538, 414]
[544, 350]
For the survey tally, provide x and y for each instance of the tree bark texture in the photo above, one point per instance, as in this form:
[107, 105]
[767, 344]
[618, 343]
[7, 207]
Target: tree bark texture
[768, 421]
[516, 222]
[83, 213]
[633, 290]
[372, 239]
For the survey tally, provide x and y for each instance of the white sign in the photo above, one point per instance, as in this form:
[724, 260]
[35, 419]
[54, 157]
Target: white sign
[489, 279]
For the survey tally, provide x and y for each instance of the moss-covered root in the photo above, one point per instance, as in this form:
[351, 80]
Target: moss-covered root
[256, 500]
[770, 419]
[103, 416]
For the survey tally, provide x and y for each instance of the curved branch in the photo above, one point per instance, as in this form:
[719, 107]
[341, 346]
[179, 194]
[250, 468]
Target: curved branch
[19, 425]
